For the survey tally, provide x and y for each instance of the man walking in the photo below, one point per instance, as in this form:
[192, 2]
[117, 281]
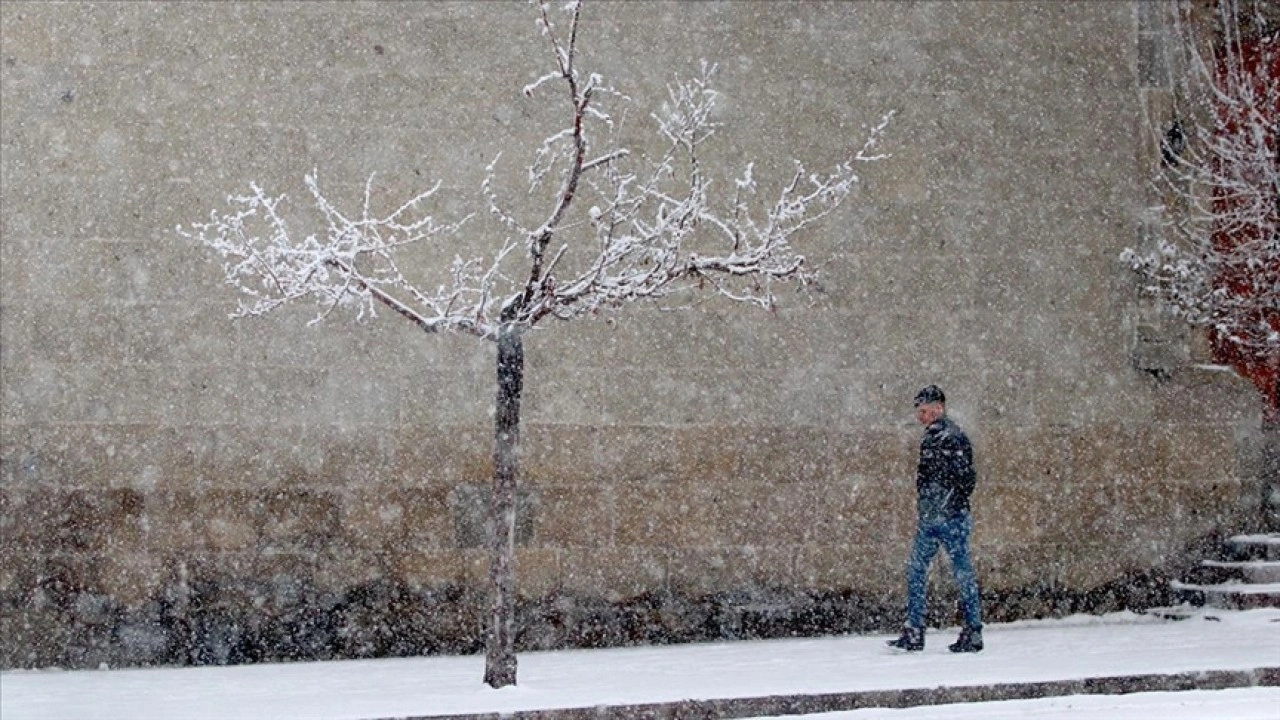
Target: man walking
[944, 480]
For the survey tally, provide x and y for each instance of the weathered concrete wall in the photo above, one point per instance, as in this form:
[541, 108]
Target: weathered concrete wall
[174, 483]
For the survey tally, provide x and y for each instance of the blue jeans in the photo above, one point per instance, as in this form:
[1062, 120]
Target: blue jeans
[953, 534]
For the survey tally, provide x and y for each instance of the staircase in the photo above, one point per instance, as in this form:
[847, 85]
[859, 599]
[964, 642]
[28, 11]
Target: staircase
[1246, 576]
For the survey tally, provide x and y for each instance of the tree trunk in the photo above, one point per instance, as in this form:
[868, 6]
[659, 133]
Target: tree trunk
[1270, 475]
[500, 656]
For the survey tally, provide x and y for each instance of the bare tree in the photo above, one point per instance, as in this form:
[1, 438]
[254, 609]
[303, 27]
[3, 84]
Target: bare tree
[1217, 264]
[619, 227]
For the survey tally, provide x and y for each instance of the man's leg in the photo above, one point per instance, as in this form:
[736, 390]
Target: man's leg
[956, 539]
[922, 552]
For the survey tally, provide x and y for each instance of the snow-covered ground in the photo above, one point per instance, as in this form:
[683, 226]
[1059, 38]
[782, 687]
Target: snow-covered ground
[1250, 704]
[1074, 648]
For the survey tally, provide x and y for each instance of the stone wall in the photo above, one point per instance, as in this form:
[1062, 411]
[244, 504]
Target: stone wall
[178, 487]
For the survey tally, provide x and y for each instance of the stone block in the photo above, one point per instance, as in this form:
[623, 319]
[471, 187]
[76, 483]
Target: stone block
[657, 454]
[339, 571]
[268, 395]
[33, 210]
[285, 337]
[784, 514]
[38, 34]
[1201, 455]
[574, 516]
[426, 568]
[597, 397]
[872, 566]
[782, 454]
[281, 396]
[611, 574]
[561, 455]
[103, 393]
[1107, 399]
[1015, 566]
[447, 396]
[77, 138]
[77, 276]
[126, 456]
[1208, 505]
[14, 286]
[153, 334]
[397, 518]
[20, 529]
[1075, 572]
[300, 519]
[538, 572]
[1107, 450]
[62, 577]
[437, 453]
[703, 571]
[1221, 397]
[670, 515]
[135, 578]
[73, 521]
[1012, 455]
[252, 456]
[179, 521]
[750, 342]
[1034, 280]
[1013, 514]
[881, 508]
[376, 517]
[284, 575]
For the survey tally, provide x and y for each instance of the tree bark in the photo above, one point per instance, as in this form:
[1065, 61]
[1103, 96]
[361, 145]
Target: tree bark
[1269, 503]
[500, 657]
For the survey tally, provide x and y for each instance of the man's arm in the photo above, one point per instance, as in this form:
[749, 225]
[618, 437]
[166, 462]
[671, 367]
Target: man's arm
[957, 455]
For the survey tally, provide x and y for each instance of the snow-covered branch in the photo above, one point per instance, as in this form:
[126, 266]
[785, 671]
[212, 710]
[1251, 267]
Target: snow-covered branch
[1218, 262]
[666, 230]
[620, 224]
[352, 262]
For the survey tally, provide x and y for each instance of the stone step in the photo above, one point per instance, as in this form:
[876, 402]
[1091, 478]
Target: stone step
[1254, 571]
[1238, 588]
[1266, 545]
[1234, 595]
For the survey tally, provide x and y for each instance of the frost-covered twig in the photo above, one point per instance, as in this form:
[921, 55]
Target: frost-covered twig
[654, 226]
[1217, 264]
[650, 232]
[351, 262]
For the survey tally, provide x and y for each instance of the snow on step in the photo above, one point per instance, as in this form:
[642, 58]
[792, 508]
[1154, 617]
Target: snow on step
[1268, 544]
[1235, 594]
[1232, 588]
[1257, 571]
[1271, 539]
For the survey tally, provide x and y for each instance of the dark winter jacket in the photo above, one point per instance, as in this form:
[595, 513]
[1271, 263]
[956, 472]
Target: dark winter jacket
[945, 476]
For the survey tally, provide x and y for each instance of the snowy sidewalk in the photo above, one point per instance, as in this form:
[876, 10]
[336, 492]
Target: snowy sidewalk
[1064, 657]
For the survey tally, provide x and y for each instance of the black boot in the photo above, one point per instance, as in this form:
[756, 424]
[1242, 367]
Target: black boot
[970, 641]
[911, 639]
